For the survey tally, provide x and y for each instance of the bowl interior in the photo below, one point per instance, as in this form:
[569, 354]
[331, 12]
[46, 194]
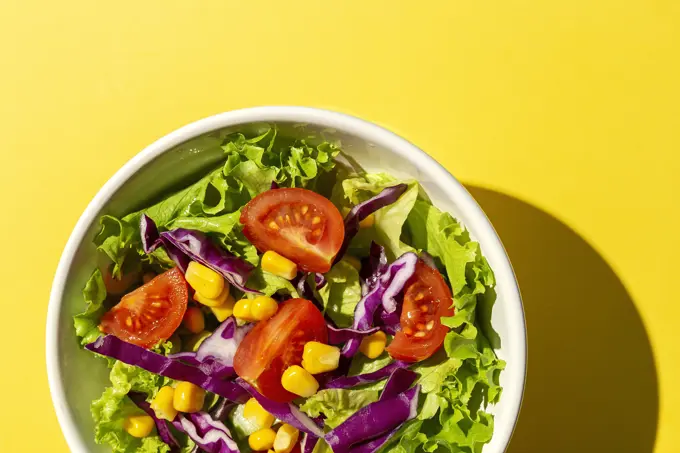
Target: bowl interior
[83, 377]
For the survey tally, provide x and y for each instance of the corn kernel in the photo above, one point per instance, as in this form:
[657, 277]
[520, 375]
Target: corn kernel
[270, 451]
[276, 264]
[204, 280]
[213, 302]
[256, 414]
[225, 310]
[263, 307]
[373, 345]
[367, 222]
[286, 438]
[162, 404]
[242, 310]
[188, 397]
[194, 320]
[353, 261]
[319, 358]
[262, 440]
[299, 381]
[139, 425]
[194, 341]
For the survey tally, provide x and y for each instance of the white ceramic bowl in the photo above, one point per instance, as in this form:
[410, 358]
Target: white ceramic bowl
[76, 377]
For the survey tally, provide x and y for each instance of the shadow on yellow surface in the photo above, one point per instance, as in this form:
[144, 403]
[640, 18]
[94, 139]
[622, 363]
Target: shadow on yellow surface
[591, 383]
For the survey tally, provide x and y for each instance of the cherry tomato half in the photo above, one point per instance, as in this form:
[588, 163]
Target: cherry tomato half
[151, 313]
[277, 343]
[426, 299]
[299, 224]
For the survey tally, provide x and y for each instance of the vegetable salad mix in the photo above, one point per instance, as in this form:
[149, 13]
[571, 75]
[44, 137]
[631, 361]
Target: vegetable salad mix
[288, 301]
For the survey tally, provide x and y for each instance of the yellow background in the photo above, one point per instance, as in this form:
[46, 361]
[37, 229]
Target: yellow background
[569, 111]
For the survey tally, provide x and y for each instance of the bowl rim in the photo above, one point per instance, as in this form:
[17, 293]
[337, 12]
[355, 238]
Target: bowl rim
[514, 387]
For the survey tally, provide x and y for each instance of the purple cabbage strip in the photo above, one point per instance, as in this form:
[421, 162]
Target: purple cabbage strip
[209, 434]
[221, 409]
[161, 425]
[319, 280]
[389, 322]
[346, 382]
[200, 248]
[337, 335]
[400, 380]
[374, 420]
[373, 445]
[286, 412]
[215, 355]
[372, 266]
[383, 292]
[273, 186]
[131, 354]
[308, 443]
[151, 240]
[359, 212]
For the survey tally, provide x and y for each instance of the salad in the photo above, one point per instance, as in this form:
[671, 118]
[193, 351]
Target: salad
[289, 301]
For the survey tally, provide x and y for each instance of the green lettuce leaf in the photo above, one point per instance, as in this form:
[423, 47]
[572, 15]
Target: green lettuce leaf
[86, 322]
[341, 294]
[270, 284]
[337, 404]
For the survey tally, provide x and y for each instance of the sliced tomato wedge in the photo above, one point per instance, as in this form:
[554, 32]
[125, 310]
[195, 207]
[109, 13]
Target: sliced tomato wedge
[299, 224]
[277, 343]
[117, 286]
[426, 299]
[150, 313]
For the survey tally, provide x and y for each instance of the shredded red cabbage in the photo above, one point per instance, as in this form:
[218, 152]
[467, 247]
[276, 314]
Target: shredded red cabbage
[400, 380]
[200, 248]
[211, 435]
[346, 382]
[337, 335]
[359, 212]
[151, 240]
[286, 412]
[308, 443]
[374, 420]
[131, 354]
[161, 425]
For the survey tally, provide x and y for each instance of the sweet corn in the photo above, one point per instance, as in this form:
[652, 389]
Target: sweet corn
[299, 381]
[242, 310]
[276, 264]
[225, 310]
[195, 340]
[188, 397]
[139, 425]
[319, 358]
[262, 440]
[367, 222]
[162, 404]
[204, 280]
[213, 302]
[263, 307]
[286, 438]
[194, 321]
[353, 261]
[373, 345]
[256, 414]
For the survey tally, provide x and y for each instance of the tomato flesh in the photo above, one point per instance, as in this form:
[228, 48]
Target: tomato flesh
[426, 299]
[150, 313]
[296, 223]
[277, 343]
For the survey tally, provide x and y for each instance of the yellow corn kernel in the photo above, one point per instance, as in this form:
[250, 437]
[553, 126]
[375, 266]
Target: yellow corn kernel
[353, 261]
[225, 310]
[256, 414]
[162, 404]
[299, 381]
[242, 310]
[213, 302]
[286, 438]
[263, 307]
[270, 451]
[276, 264]
[373, 345]
[319, 358]
[195, 340]
[367, 222]
[139, 425]
[262, 440]
[188, 397]
[194, 321]
[204, 280]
